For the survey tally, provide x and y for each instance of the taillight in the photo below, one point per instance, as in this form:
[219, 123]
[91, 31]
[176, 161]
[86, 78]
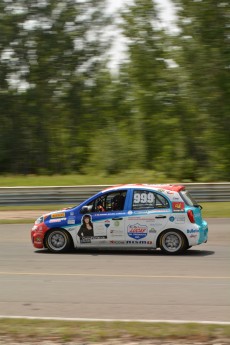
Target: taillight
[191, 216]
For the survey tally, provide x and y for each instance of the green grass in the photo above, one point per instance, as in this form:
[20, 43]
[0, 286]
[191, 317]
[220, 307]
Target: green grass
[65, 331]
[216, 209]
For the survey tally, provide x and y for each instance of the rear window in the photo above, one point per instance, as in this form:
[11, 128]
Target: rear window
[187, 197]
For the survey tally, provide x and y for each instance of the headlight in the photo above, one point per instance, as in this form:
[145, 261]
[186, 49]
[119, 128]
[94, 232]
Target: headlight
[39, 220]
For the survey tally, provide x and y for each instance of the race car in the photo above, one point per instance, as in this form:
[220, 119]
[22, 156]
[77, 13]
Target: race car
[129, 216]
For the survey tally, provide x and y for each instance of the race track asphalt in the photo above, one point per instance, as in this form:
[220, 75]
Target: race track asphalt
[133, 285]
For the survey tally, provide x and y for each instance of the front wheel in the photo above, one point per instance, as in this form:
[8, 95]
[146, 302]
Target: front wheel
[58, 241]
[173, 242]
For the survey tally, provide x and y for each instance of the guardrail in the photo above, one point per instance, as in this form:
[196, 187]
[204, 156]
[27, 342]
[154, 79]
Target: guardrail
[73, 195]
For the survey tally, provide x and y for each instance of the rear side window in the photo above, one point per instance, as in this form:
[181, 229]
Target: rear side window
[187, 197]
[145, 199]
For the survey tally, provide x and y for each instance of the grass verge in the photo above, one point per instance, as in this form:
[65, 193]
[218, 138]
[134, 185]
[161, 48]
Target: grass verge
[81, 331]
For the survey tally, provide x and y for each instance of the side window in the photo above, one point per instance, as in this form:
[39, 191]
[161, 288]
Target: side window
[114, 201]
[161, 202]
[145, 199]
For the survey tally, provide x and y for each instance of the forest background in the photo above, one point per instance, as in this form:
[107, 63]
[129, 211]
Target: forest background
[165, 109]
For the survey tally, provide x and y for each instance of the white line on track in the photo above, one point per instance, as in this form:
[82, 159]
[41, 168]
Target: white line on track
[109, 275]
[115, 320]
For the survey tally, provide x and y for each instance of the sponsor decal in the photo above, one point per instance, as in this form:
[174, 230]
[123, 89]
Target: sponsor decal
[139, 242]
[107, 224]
[130, 212]
[117, 242]
[116, 223]
[72, 213]
[99, 237]
[71, 220]
[152, 230]
[137, 231]
[38, 239]
[70, 229]
[180, 219]
[56, 220]
[193, 236]
[58, 215]
[171, 219]
[192, 231]
[40, 231]
[178, 206]
[85, 240]
[116, 232]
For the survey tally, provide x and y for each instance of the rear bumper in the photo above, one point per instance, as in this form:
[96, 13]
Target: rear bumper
[203, 238]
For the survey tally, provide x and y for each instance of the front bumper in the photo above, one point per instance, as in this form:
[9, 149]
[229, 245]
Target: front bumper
[38, 235]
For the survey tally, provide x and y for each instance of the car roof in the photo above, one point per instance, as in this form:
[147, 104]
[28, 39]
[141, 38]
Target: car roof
[167, 187]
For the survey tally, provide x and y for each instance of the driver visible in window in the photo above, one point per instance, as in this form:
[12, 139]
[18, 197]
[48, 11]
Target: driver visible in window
[100, 207]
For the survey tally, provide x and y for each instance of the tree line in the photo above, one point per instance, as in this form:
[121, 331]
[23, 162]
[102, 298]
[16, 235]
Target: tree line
[63, 110]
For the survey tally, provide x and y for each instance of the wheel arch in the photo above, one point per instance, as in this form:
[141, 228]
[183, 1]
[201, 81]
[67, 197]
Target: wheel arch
[58, 228]
[171, 229]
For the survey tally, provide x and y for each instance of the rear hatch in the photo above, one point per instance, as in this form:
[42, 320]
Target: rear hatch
[193, 209]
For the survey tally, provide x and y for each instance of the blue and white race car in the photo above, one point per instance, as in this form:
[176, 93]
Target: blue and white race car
[131, 216]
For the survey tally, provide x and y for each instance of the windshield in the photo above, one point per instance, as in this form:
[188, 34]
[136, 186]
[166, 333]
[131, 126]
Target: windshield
[189, 200]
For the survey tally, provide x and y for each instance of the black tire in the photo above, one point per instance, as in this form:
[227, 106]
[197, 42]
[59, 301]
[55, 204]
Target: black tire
[173, 242]
[58, 241]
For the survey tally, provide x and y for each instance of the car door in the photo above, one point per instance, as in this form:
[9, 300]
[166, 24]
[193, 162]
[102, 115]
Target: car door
[107, 214]
[148, 216]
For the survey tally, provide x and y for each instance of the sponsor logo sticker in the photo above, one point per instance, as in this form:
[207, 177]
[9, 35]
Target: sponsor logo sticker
[192, 231]
[57, 220]
[107, 224]
[178, 206]
[58, 215]
[139, 242]
[137, 231]
[71, 220]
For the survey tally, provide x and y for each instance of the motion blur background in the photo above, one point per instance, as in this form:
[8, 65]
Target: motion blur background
[72, 102]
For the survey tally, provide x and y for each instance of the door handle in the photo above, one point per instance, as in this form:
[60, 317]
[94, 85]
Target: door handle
[117, 218]
[160, 217]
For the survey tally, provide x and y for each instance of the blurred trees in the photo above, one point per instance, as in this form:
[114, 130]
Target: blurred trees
[205, 56]
[49, 51]
[63, 111]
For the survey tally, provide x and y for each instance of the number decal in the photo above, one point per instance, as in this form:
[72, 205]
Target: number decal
[150, 198]
[137, 198]
[143, 198]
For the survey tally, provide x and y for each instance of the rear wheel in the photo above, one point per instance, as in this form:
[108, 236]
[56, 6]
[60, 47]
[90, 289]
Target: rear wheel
[58, 241]
[173, 242]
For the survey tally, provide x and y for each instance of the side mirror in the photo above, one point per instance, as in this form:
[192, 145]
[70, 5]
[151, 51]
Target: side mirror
[86, 209]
